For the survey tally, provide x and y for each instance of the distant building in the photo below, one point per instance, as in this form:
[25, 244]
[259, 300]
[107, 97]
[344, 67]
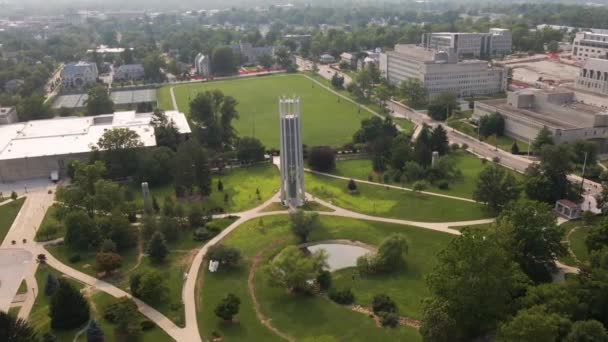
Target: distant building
[593, 76]
[441, 72]
[497, 42]
[251, 54]
[12, 86]
[327, 59]
[350, 59]
[78, 75]
[35, 149]
[8, 115]
[590, 45]
[129, 72]
[202, 64]
[527, 111]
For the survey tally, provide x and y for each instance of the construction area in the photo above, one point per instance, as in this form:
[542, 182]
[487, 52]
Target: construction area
[543, 72]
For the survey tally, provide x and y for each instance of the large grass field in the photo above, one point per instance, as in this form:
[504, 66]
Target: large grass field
[468, 164]
[40, 320]
[311, 318]
[8, 213]
[385, 202]
[326, 120]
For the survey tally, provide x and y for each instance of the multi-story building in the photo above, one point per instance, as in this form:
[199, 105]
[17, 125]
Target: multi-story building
[78, 75]
[251, 54]
[590, 45]
[527, 111]
[593, 76]
[202, 64]
[440, 71]
[497, 42]
[129, 72]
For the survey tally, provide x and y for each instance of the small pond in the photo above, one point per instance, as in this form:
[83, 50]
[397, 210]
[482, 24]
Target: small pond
[340, 255]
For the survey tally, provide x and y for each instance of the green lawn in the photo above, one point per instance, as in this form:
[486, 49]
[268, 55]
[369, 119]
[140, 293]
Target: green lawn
[326, 120]
[405, 124]
[296, 315]
[8, 213]
[240, 185]
[40, 320]
[382, 201]
[468, 164]
[50, 218]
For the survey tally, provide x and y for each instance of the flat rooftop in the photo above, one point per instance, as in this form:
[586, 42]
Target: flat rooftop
[68, 135]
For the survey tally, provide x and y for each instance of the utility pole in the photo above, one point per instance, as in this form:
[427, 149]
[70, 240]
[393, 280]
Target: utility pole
[583, 174]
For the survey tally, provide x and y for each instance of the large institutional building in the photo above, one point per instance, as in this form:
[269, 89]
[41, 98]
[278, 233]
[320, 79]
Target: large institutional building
[440, 71]
[35, 149]
[497, 42]
[527, 111]
[78, 75]
[593, 76]
[590, 45]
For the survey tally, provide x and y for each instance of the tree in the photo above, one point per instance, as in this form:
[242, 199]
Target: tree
[51, 285]
[123, 312]
[292, 269]
[13, 329]
[531, 234]
[80, 231]
[266, 61]
[475, 280]
[437, 325]
[284, 59]
[68, 307]
[94, 333]
[597, 237]
[108, 262]
[250, 150]
[214, 112]
[228, 307]
[228, 256]
[533, 324]
[413, 92]
[165, 130]
[337, 81]
[391, 251]
[442, 106]
[302, 224]
[587, 331]
[98, 101]
[149, 286]
[157, 248]
[496, 187]
[493, 124]
[423, 152]
[383, 304]
[108, 246]
[34, 107]
[553, 46]
[191, 172]
[351, 186]
[223, 61]
[118, 146]
[514, 148]
[400, 152]
[548, 180]
[152, 63]
[439, 140]
[544, 137]
[322, 158]
[14, 196]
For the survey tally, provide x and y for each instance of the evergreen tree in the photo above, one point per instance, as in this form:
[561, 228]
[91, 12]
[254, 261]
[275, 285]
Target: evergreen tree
[14, 329]
[439, 140]
[94, 333]
[51, 285]
[220, 186]
[544, 137]
[514, 148]
[228, 307]
[68, 308]
[422, 148]
[157, 248]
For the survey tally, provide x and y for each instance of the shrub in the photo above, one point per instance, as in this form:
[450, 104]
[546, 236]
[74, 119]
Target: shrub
[74, 258]
[465, 146]
[443, 185]
[389, 319]
[147, 325]
[383, 303]
[203, 234]
[324, 280]
[344, 297]
[352, 186]
[228, 256]
[322, 158]
[454, 147]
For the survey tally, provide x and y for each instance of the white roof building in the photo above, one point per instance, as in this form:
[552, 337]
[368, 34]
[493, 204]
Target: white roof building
[35, 148]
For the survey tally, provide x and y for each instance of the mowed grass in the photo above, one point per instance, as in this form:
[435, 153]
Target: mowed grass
[326, 119]
[239, 184]
[8, 213]
[40, 320]
[386, 202]
[468, 164]
[313, 318]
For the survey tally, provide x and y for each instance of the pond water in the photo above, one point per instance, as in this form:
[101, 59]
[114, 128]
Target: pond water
[340, 255]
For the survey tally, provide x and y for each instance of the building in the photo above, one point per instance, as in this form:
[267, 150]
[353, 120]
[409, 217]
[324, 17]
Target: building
[202, 64]
[527, 111]
[8, 115]
[128, 72]
[568, 209]
[35, 149]
[441, 72]
[292, 158]
[350, 59]
[590, 45]
[593, 76]
[251, 54]
[327, 59]
[497, 42]
[78, 75]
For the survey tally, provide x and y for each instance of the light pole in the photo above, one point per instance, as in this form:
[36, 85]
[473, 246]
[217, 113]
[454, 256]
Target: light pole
[583, 174]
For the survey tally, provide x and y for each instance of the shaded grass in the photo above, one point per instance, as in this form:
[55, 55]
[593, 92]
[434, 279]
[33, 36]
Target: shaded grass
[8, 213]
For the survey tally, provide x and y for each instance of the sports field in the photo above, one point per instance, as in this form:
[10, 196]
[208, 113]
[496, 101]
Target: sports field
[326, 119]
